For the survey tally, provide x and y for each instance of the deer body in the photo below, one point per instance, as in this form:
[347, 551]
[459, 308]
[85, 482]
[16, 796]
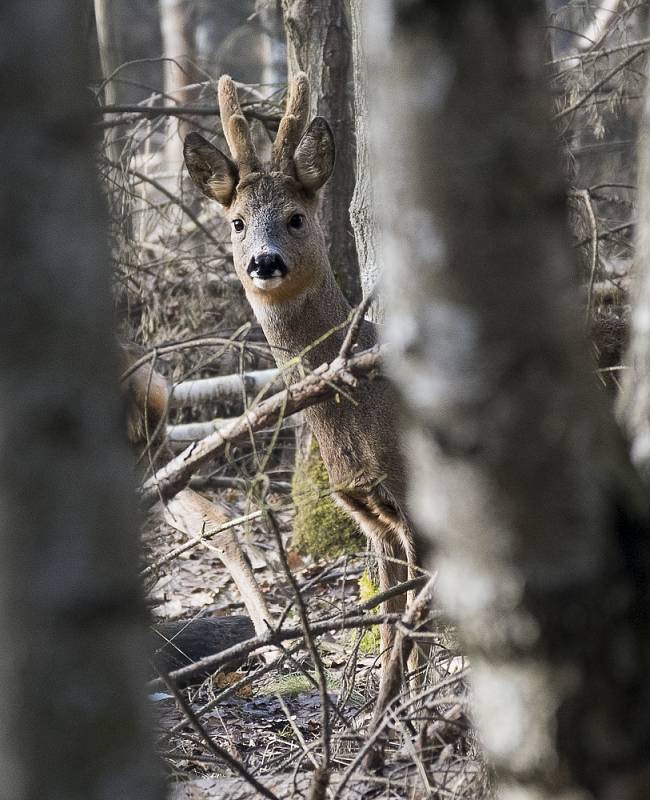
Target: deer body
[281, 259]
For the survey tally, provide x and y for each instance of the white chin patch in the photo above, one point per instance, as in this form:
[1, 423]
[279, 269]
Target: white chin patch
[267, 283]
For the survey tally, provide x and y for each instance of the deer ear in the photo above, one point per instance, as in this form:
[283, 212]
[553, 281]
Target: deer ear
[314, 156]
[213, 172]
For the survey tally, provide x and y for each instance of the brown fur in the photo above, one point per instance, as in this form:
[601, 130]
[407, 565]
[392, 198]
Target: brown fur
[358, 440]
[146, 393]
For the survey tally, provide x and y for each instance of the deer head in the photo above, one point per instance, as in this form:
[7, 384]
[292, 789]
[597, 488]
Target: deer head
[278, 246]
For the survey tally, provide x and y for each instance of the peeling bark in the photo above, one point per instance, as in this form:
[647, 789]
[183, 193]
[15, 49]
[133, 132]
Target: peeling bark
[520, 476]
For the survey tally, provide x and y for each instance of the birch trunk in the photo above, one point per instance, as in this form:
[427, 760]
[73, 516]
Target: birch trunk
[72, 621]
[519, 474]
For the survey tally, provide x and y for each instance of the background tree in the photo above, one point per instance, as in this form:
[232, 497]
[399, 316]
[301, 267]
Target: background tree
[362, 206]
[71, 612]
[320, 44]
[519, 474]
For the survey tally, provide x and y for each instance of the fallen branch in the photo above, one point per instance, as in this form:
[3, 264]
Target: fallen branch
[274, 638]
[357, 619]
[195, 431]
[196, 516]
[328, 379]
[192, 543]
[224, 388]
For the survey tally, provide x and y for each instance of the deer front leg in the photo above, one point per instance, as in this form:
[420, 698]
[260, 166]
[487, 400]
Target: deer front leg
[386, 545]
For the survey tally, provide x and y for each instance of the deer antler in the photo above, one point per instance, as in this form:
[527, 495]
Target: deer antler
[292, 124]
[236, 129]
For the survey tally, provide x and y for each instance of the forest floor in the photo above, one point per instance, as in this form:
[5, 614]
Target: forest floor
[272, 726]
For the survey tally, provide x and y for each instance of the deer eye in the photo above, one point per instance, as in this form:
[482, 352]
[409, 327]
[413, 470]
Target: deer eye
[238, 225]
[296, 222]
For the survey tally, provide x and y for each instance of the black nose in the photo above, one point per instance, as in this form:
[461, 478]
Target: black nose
[267, 265]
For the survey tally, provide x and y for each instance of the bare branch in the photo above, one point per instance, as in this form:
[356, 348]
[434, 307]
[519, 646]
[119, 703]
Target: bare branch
[326, 380]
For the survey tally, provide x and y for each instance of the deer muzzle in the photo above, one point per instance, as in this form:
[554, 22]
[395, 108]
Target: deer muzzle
[267, 270]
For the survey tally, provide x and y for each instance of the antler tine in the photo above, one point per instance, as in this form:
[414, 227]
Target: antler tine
[236, 128]
[292, 124]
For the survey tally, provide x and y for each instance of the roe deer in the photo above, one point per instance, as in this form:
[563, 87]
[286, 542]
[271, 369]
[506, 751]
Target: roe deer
[281, 260]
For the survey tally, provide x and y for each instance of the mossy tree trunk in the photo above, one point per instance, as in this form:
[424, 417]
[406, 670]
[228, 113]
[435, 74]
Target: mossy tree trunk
[519, 474]
[72, 620]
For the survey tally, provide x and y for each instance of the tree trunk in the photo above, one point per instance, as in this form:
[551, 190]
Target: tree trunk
[108, 18]
[319, 42]
[72, 618]
[362, 205]
[176, 27]
[519, 474]
[634, 402]
[109, 15]
[273, 45]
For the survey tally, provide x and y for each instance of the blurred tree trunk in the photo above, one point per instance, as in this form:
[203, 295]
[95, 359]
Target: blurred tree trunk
[519, 474]
[73, 722]
[634, 402]
[319, 42]
[362, 212]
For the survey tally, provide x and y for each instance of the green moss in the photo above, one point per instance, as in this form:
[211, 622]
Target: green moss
[287, 685]
[320, 529]
[371, 639]
[296, 683]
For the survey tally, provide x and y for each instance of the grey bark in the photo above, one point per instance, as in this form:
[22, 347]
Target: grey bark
[519, 475]
[72, 622]
[634, 402]
[319, 43]
[362, 212]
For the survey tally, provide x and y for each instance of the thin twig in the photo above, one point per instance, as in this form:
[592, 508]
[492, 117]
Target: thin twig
[171, 196]
[218, 751]
[196, 541]
[601, 53]
[274, 637]
[325, 381]
[355, 324]
[320, 780]
[606, 234]
[582, 100]
[372, 739]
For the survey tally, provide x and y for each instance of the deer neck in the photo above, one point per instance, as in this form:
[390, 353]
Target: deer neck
[292, 326]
